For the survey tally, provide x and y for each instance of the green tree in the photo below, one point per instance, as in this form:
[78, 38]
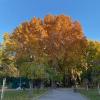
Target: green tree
[7, 66]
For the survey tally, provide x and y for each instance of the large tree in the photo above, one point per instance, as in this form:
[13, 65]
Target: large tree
[7, 61]
[93, 61]
[65, 44]
[57, 41]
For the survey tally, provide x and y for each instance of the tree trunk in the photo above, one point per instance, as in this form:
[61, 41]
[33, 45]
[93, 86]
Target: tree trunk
[99, 88]
[75, 85]
[64, 80]
[52, 83]
[87, 87]
[20, 84]
[42, 84]
[3, 87]
[31, 88]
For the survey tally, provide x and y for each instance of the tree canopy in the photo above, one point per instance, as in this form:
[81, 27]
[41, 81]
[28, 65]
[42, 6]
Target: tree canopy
[55, 42]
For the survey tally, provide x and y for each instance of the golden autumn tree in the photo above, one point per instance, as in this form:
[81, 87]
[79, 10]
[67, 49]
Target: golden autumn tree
[56, 40]
[7, 58]
[7, 61]
[65, 44]
[28, 52]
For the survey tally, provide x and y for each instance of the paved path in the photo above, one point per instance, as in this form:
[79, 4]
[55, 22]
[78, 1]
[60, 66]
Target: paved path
[62, 94]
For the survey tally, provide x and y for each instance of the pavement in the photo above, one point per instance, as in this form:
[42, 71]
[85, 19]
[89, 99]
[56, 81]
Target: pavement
[62, 94]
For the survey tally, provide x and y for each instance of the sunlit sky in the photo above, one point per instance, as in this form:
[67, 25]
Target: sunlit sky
[14, 12]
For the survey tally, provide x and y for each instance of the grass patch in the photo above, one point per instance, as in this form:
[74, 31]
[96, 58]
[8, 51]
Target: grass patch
[92, 94]
[23, 95]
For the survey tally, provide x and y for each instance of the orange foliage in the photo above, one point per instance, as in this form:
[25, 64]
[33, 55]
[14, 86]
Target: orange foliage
[59, 37]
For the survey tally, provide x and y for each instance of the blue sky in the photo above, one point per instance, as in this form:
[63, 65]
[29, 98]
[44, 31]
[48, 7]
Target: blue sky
[14, 12]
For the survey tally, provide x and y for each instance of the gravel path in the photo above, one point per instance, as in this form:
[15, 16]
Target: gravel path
[62, 94]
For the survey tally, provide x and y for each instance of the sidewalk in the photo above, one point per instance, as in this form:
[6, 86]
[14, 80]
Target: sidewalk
[62, 94]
